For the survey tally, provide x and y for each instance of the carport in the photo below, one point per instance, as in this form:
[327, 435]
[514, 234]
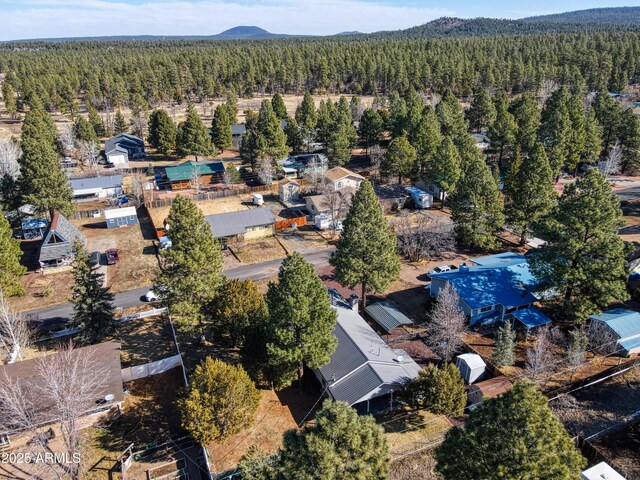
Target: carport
[387, 315]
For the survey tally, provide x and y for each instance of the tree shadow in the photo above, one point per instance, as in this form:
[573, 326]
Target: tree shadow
[146, 226]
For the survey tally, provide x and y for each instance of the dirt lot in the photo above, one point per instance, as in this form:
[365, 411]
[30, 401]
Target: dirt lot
[623, 449]
[277, 413]
[144, 340]
[258, 251]
[304, 240]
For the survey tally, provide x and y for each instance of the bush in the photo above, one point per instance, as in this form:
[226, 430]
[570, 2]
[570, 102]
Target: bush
[439, 390]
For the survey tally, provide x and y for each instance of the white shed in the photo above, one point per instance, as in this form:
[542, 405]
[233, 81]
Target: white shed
[601, 471]
[471, 367]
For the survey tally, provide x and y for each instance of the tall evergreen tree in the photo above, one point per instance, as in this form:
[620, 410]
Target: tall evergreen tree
[445, 169]
[162, 132]
[340, 445]
[400, 159]
[301, 321]
[427, 138]
[514, 435]
[502, 132]
[43, 182]
[279, 108]
[608, 113]
[293, 134]
[221, 128]
[9, 98]
[95, 121]
[482, 113]
[397, 115]
[307, 118]
[526, 113]
[451, 117]
[249, 146]
[10, 254]
[629, 135]
[192, 137]
[339, 145]
[476, 205]
[120, 124]
[528, 189]
[584, 257]
[191, 270]
[232, 107]
[503, 353]
[371, 128]
[366, 253]
[272, 141]
[92, 301]
[555, 129]
[83, 130]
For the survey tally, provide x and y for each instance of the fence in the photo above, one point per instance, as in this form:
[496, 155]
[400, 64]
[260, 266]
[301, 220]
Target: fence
[203, 196]
[282, 224]
[147, 313]
[79, 215]
[151, 368]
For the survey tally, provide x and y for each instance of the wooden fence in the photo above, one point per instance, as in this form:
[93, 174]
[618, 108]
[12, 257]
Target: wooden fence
[203, 196]
[283, 224]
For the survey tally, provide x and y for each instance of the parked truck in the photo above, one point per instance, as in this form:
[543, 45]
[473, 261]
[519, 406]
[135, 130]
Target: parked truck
[421, 199]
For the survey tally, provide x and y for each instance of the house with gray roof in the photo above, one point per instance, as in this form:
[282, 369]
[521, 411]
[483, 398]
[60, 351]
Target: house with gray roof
[122, 148]
[363, 371]
[250, 224]
[57, 248]
[91, 188]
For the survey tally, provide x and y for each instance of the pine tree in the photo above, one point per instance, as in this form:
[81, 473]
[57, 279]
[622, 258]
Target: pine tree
[340, 445]
[526, 113]
[192, 137]
[528, 189]
[221, 128]
[577, 140]
[584, 257]
[9, 98]
[427, 138]
[221, 400]
[238, 306]
[451, 117]
[43, 182]
[514, 435]
[476, 205]
[294, 134]
[482, 113]
[608, 113]
[400, 159]
[11, 270]
[502, 132]
[629, 134]
[397, 115]
[438, 390]
[301, 320]
[249, 146]
[162, 132]
[371, 128]
[92, 301]
[191, 272]
[83, 131]
[232, 107]
[279, 108]
[307, 118]
[445, 169]
[555, 129]
[366, 253]
[503, 353]
[272, 141]
[339, 145]
[120, 124]
[95, 121]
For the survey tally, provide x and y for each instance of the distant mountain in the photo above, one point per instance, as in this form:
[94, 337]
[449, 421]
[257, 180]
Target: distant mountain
[355, 32]
[614, 15]
[244, 32]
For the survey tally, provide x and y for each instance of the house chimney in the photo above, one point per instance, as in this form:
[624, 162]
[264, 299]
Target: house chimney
[464, 268]
[353, 302]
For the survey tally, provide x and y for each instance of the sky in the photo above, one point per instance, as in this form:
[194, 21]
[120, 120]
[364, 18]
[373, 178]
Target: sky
[27, 19]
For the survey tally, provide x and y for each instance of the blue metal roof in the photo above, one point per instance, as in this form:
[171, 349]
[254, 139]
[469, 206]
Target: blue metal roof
[625, 323]
[505, 258]
[505, 280]
[531, 317]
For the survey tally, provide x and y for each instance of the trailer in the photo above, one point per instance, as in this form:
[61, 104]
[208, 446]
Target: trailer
[421, 199]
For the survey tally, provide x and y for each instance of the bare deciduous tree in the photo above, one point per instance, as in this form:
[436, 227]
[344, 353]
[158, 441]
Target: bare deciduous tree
[539, 356]
[15, 332]
[612, 165]
[446, 324]
[314, 174]
[89, 155]
[424, 237]
[9, 154]
[602, 339]
[196, 181]
[137, 186]
[337, 202]
[376, 154]
[265, 171]
[547, 87]
[67, 138]
[69, 383]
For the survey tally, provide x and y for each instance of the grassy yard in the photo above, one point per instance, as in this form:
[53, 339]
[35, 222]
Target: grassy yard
[144, 340]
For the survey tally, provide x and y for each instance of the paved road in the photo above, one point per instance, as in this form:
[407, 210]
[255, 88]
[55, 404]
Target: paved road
[62, 312]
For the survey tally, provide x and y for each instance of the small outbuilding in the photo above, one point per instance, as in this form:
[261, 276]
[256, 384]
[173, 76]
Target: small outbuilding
[530, 318]
[387, 315]
[91, 188]
[289, 191]
[490, 388]
[471, 367]
[623, 325]
[121, 217]
[601, 471]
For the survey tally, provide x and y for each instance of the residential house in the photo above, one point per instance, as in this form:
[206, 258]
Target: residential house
[363, 371]
[623, 326]
[492, 289]
[248, 224]
[317, 163]
[336, 179]
[104, 358]
[239, 130]
[121, 217]
[482, 141]
[391, 197]
[193, 174]
[57, 248]
[339, 178]
[92, 188]
[122, 148]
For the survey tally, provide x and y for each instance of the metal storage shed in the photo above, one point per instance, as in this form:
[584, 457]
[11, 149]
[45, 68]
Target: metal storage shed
[387, 315]
[624, 324]
[121, 217]
[531, 318]
[471, 367]
[601, 471]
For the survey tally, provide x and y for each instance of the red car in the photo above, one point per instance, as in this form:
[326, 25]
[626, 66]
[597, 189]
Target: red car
[112, 256]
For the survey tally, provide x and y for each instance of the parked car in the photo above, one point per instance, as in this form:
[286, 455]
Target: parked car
[113, 256]
[441, 269]
[95, 258]
[151, 296]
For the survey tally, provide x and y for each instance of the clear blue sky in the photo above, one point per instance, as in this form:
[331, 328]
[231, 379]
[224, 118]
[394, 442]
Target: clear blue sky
[71, 18]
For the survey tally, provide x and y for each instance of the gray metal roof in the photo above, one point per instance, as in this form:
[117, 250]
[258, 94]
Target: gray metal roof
[363, 365]
[236, 223]
[124, 140]
[109, 181]
[59, 239]
[387, 315]
[238, 129]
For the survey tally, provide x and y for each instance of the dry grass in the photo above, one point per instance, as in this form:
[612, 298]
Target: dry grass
[43, 290]
[410, 431]
[144, 340]
[420, 466]
[258, 251]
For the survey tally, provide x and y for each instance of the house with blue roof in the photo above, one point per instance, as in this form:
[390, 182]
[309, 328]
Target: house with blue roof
[624, 326]
[494, 289]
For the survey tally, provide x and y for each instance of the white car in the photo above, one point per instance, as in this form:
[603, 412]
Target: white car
[440, 269]
[151, 296]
